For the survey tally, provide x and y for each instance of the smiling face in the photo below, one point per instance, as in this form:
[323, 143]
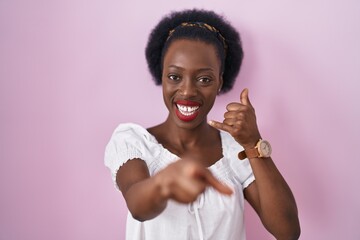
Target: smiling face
[191, 79]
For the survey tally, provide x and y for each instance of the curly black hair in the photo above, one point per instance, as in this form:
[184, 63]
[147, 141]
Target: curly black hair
[229, 51]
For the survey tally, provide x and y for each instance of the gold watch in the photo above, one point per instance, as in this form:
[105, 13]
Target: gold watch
[261, 150]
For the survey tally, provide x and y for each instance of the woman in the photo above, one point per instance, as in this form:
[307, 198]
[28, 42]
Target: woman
[187, 178]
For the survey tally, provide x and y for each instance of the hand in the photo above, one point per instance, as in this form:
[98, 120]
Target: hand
[184, 180]
[240, 122]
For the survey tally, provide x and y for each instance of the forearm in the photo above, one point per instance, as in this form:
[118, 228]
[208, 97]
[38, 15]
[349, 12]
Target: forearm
[145, 199]
[277, 205]
[182, 181]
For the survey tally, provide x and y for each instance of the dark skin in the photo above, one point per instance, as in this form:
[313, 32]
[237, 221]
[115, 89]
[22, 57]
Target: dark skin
[191, 71]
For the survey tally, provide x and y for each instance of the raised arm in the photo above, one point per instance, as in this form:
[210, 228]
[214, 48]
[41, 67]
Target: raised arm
[146, 196]
[269, 194]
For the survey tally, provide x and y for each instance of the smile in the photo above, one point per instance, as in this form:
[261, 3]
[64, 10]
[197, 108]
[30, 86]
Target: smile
[187, 110]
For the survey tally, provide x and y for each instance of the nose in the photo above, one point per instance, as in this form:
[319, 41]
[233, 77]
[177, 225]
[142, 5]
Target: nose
[188, 88]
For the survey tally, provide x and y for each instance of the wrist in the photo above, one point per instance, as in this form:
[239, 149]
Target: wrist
[262, 149]
[252, 144]
[161, 186]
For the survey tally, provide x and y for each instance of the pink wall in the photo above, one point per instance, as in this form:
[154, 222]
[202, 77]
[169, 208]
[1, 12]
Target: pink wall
[70, 71]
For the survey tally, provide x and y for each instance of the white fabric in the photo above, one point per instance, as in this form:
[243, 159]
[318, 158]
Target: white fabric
[211, 216]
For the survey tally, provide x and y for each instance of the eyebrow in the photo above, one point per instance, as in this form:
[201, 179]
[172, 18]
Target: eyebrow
[200, 69]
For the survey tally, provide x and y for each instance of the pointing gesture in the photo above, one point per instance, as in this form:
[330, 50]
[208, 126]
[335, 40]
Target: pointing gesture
[240, 121]
[185, 179]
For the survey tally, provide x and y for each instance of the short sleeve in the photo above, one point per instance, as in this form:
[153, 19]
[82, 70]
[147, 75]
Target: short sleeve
[241, 169]
[246, 176]
[129, 141]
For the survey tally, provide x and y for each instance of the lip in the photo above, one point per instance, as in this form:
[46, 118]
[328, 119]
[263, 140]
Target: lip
[186, 118]
[188, 103]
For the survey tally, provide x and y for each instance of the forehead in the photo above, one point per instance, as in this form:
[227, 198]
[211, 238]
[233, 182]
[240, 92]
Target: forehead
[192, 53]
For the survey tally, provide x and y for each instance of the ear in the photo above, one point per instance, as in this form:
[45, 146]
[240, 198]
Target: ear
[221, 83]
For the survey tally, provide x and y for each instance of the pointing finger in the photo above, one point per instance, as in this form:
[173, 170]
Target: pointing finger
[215, 183]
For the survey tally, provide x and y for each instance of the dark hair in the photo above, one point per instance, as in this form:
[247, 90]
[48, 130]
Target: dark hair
[230, 51]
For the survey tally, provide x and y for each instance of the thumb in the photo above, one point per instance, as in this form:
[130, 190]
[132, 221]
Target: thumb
[244, 97]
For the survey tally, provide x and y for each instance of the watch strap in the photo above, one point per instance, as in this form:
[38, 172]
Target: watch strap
[249, 153]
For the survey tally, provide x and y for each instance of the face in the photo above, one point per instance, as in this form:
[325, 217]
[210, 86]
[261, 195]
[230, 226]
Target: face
[191, 79]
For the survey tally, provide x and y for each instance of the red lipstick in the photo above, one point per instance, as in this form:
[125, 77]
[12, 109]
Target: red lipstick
[187, 110]
[187, 103]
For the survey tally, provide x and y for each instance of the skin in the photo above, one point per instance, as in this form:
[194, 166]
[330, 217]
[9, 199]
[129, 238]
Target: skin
[191, 71]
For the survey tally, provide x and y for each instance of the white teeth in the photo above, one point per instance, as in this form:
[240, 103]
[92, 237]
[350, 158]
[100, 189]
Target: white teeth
[186, 110]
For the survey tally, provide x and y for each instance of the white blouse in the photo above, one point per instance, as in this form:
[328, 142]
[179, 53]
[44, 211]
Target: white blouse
[212, 216]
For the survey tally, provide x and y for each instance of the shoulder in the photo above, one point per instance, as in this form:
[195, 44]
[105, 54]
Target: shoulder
[129, 128]
[130, 141]
[128, 132]
[130, 138]
[229, 144]
[241, 169]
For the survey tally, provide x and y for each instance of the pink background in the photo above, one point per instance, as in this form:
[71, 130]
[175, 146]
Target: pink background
[71, 70]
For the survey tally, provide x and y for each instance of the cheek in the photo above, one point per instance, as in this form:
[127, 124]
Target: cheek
[209, 98]
[166, 91]
[212, 101]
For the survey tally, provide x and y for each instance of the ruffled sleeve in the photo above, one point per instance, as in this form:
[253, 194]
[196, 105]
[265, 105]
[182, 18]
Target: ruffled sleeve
[129, 141]
[241, 169]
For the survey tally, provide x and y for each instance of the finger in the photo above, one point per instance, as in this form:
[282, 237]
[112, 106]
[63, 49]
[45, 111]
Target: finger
[231, 121]
[200, 176]
[220, 126]
[244, 97]
[234, 106]
[235, 114]
[212, 181]
[188, 190]
[187, 185]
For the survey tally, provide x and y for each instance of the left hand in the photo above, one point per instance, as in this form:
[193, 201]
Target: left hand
[240, 121]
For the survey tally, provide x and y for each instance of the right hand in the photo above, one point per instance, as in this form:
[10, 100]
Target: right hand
[184, 180]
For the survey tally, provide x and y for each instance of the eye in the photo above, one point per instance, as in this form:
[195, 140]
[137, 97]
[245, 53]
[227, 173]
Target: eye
[205, 80]
[174, 77]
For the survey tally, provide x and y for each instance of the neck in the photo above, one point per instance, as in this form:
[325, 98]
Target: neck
[186, 138]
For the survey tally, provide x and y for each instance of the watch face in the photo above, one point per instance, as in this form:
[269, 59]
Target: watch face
[265, 148]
